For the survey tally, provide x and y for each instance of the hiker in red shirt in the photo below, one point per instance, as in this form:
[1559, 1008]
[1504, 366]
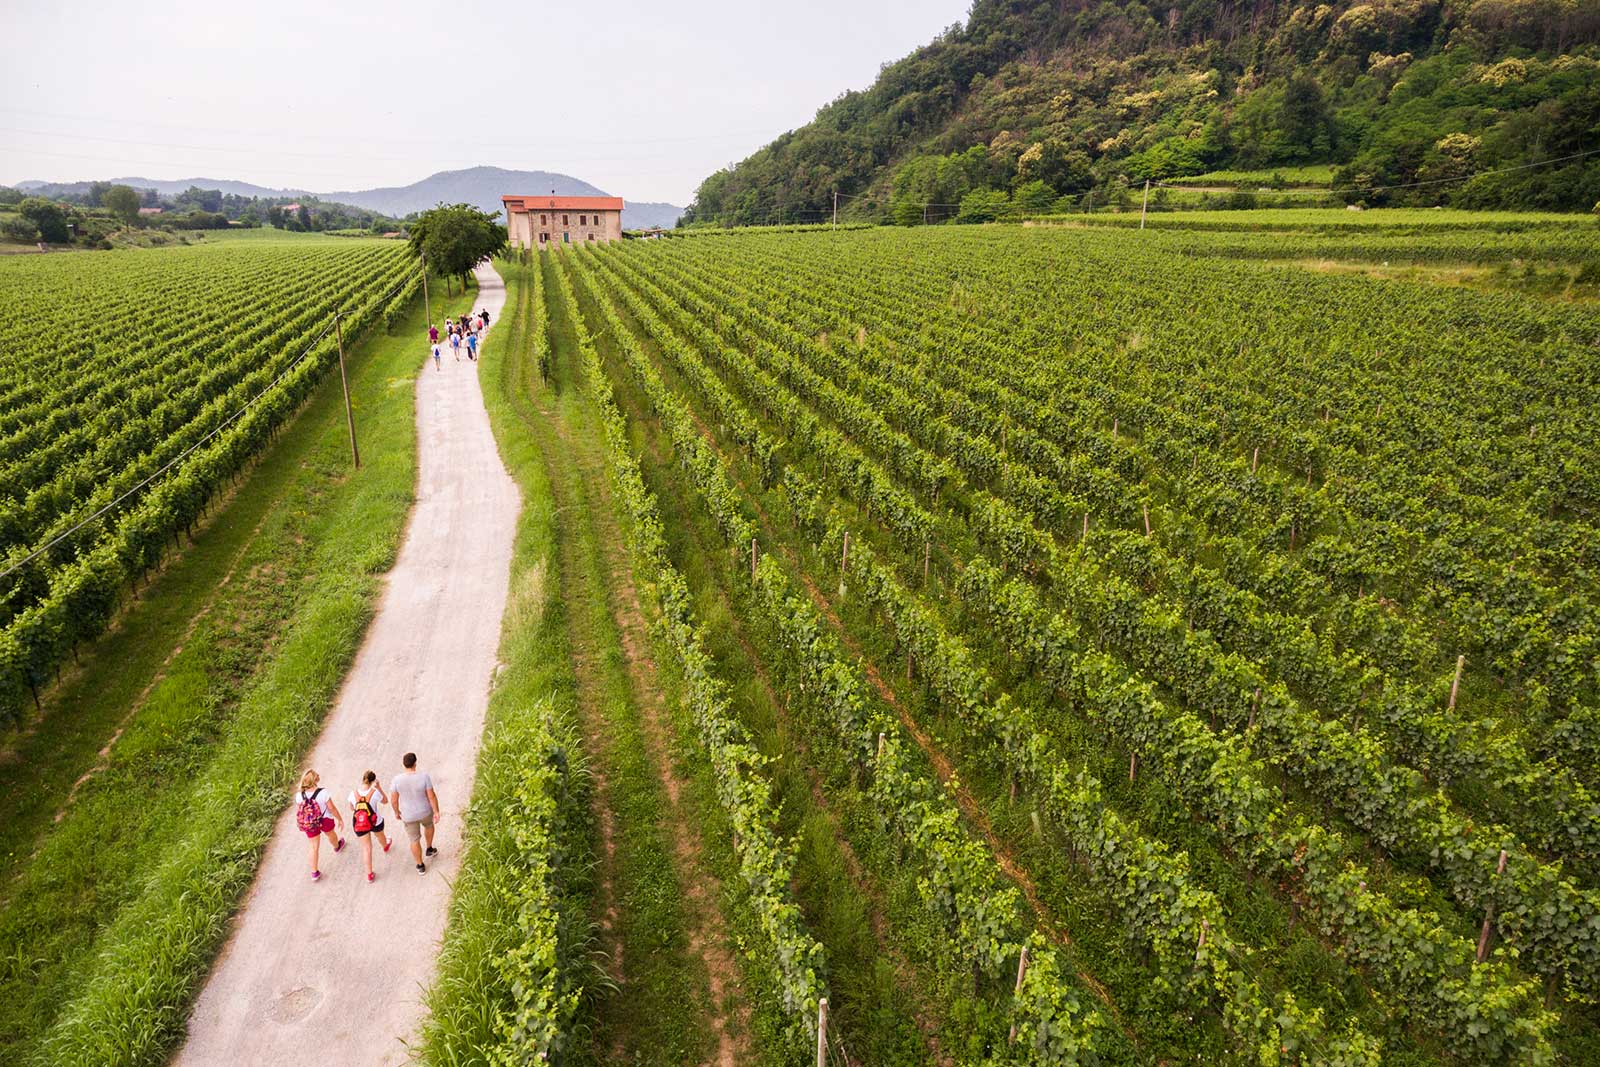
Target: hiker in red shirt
[365, 819]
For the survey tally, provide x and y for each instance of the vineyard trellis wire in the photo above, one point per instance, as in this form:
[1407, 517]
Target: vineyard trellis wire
[74, 599]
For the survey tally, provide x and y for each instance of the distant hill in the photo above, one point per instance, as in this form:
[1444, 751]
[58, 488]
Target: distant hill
[1412, 101]
[484, 186]
[480, 186]
[165, 188]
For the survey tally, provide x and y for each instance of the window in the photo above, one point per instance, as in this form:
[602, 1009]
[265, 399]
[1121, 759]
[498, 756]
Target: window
[591, 237]
[563, 220]
[583, 220]
[543, 221]
[566, 238]
[543, 237]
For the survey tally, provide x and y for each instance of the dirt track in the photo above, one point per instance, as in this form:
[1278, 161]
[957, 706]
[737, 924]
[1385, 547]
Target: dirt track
[334, 972]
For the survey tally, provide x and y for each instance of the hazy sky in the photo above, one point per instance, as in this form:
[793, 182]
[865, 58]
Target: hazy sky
[641, 99]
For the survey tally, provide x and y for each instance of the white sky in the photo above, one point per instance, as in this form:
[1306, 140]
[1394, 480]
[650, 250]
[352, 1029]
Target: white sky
[642, 99]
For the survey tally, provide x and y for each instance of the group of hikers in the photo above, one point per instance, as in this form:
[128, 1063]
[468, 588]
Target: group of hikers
[410, 795]
[465, 331]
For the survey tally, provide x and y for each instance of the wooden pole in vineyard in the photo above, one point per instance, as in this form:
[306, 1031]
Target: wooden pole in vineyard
[1455, 686]
[1144, 207]
[836, 209]
[427, 305]
[344, 383]
[822, 1032]
[1022, 970]
[1488, 914]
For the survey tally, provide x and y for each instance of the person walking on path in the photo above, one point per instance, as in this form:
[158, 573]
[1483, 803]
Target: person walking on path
[417, 806]
[472, 347]
[455, 345]
[315, 817]
[433, 334]
[365, 819]
[436, 358]
[484, 315]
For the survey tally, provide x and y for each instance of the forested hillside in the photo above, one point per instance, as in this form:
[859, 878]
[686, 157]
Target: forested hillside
[1412, 101]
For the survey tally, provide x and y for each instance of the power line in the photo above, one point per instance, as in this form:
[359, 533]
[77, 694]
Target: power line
[180, 457]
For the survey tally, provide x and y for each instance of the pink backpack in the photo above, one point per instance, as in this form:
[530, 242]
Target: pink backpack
[310, 815]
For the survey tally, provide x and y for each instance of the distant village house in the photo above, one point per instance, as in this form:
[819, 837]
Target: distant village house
[540, 221]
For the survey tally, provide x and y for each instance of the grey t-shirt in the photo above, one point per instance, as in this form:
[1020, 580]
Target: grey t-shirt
[411, 790]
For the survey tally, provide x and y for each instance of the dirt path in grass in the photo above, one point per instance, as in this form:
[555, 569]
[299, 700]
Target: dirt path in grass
[334, 972]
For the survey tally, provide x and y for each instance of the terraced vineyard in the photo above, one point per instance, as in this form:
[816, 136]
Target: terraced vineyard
[117, 368]
[1218, 638]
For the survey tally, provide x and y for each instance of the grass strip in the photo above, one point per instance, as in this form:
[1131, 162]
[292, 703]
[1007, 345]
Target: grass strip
[142, 962]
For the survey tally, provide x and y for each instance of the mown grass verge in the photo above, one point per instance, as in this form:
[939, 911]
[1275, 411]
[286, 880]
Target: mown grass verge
[516, 968]
[112, 924]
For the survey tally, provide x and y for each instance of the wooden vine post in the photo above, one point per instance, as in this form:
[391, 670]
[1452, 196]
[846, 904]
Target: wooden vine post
[1455, 686]
[927, 551]
[844, 556]
[1205, 927]
[1255, 705]
[753, 561]
[1147, 520]
[1022, 970]
[822, 1032]
[344, 382]
[427, 305]
[1255, 457]
[1488, 914]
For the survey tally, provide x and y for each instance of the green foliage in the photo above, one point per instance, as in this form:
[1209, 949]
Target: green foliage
[123, 202]
[456, 238]
[68, 454]
[1083, 95]
[48, 217]
[984, 205]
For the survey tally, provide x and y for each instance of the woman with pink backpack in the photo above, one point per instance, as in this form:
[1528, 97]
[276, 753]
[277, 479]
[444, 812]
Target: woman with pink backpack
[315, 817]
[365, 820]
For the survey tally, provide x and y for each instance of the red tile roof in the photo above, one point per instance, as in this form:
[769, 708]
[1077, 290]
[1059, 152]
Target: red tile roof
[561, 203]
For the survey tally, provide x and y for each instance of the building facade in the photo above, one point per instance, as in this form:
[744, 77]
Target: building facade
[542, 221]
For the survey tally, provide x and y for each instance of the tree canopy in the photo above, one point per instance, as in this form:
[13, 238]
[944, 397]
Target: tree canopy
[1090, 96]
[457, 237]
[123, 202]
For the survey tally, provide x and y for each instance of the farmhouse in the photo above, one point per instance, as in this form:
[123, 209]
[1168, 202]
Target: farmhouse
[539, 221]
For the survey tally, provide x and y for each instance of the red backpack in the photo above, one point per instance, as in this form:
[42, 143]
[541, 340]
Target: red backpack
[362, 817]
[310, 815]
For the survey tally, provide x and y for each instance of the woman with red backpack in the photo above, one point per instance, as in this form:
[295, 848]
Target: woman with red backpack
[315, 817]
[365, 820]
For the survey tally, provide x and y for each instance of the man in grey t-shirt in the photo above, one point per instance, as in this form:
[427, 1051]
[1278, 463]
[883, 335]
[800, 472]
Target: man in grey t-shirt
[416, 805]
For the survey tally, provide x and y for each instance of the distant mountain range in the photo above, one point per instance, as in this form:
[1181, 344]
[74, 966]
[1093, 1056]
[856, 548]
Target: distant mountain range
[480, 186]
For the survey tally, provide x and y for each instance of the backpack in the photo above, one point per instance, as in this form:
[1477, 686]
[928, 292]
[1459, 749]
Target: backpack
[309, 816]
[362, 817]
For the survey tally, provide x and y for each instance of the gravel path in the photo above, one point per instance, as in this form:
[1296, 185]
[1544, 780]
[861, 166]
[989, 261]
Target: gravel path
[333, 973]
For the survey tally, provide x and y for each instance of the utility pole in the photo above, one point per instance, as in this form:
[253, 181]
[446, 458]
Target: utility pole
[344, 383]
[836, 209]
[427, 305]
[1146, 205]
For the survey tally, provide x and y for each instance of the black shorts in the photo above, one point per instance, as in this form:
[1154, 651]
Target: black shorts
[376, 829]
